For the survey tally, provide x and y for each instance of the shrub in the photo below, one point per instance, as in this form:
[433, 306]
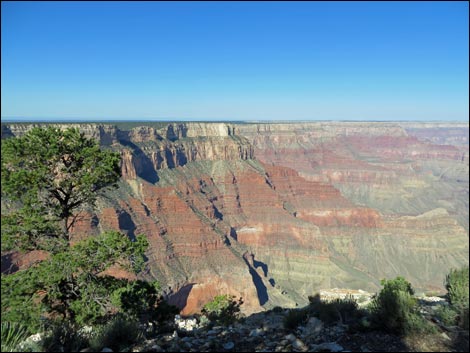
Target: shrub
[396, 310]
[65, 337]
[397, 284]
[456, 283]
[12, 335]
[204, 321]
[417, 324]
[343, 310]
[118, 334]
[347, 308]
[294, 318]
[392, 306]
[447, 315]
[223, 309]
[137, 299]
[165, 311]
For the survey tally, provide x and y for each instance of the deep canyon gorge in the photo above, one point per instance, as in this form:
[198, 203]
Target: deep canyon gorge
[275, 212]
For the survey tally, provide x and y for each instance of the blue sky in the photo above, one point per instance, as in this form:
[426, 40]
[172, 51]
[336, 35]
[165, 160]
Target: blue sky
[235, 60]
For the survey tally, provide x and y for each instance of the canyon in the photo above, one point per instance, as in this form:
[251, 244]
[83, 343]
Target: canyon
[275, 212]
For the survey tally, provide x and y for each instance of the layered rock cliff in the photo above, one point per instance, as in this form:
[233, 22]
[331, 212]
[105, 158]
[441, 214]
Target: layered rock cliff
[275, 212]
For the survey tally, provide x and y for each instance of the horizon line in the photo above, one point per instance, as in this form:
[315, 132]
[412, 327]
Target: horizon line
[215, 120]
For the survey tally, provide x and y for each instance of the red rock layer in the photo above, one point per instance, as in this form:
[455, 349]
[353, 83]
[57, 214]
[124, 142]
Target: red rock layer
[14, 261]
[390, 148]
[319, 203]
[84, 225]
[179, 238]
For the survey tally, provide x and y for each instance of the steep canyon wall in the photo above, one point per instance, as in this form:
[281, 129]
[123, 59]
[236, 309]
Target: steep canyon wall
[276, 212]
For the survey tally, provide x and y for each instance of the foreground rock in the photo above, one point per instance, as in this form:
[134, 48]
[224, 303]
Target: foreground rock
[264, 332]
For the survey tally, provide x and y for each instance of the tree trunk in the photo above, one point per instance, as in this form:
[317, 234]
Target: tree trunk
[64, 227]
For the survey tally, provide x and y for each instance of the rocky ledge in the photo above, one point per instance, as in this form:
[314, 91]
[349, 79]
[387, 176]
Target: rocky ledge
[267, 332]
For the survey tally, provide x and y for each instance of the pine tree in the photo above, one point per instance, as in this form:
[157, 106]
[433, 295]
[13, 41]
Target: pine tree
[48, 175]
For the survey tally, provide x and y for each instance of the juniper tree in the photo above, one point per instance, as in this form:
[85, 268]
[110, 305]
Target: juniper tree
[47, 176]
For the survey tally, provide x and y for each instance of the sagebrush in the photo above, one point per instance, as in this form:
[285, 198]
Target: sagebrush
[223, 309]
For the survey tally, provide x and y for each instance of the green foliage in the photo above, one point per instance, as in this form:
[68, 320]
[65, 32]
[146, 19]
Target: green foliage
[223, 309]
[20, 300]
[396, 310]
[71, 282]
[137, 299]
[294, 318]
[456, 283]
[393, 305]
[28, 229]
[51, 173]
[397, 284]
[342, 310]
[65, 337]
[447, 315]
[417, 324]
[117, 334]
[12, 335]
[48, 176]
[96, 254]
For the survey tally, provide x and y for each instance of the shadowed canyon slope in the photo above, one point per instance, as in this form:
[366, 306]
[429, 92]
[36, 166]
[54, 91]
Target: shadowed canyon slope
[276, 212]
